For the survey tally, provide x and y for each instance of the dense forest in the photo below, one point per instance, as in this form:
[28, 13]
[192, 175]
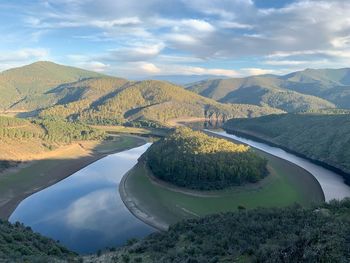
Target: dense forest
[321, 137]
[20, 244]
[195, 160]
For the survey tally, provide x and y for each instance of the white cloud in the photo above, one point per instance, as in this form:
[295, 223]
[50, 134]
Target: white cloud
[257, 71]
[198, 25]
[149, 68]
[128, 21]
[137, 52]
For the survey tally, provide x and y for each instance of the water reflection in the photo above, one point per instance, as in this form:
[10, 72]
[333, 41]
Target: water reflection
[332, 184]
[85, 211]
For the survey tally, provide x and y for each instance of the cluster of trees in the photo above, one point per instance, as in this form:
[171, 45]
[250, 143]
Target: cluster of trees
[58, 130]
[20, 244]
[195, 160]
[288, 235]
[48, 130]
[321, 137]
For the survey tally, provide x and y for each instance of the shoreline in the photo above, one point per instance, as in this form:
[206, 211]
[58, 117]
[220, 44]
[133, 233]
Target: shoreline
[253, 136]
[7, 207]
[131, 205]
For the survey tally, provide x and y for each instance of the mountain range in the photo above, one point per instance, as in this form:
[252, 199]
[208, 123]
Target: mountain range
[48, 89]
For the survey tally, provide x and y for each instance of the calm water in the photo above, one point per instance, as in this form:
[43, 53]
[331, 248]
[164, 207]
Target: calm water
[332, 184]
[85, 211]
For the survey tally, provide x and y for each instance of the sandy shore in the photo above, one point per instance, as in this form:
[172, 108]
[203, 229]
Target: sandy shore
[43, 173]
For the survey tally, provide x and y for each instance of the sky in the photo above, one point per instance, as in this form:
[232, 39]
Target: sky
[134, 38]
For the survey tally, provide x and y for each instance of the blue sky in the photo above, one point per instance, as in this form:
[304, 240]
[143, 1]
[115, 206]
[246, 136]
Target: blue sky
[134, 38]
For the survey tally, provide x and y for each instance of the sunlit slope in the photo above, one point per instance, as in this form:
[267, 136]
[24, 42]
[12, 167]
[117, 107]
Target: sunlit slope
[21, 88]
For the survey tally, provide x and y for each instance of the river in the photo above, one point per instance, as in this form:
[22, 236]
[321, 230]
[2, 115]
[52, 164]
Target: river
[84, 211]
[332, 184]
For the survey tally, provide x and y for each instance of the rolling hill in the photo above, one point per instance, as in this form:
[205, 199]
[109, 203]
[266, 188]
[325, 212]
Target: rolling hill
[21, 88]
[259, 90]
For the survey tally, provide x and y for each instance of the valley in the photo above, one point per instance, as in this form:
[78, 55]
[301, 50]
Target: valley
[100, 148]
[203, 131]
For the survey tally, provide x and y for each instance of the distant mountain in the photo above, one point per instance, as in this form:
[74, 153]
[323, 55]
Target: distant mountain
[260, 90]
[330, 84]
[21, 88]
[185, 79]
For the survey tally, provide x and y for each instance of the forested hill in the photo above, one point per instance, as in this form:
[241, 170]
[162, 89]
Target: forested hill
[322, 137]
[20, 88]
[288, 235]
[195, 160]
[114, 101]
[259, 90]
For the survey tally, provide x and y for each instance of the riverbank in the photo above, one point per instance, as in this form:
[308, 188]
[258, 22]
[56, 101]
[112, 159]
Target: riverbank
[43, 171]
[257, 137]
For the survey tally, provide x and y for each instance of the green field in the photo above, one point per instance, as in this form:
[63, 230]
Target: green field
[17, 184]
[286, 184]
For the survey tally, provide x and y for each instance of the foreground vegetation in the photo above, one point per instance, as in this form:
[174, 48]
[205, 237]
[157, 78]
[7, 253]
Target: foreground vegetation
[288, 235]
[20, 244]
[195, 160]
[324, 137]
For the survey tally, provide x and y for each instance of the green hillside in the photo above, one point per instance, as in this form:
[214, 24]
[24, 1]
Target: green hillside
[325, 138]
[260, 90]
[21, 88]
[151, 100]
